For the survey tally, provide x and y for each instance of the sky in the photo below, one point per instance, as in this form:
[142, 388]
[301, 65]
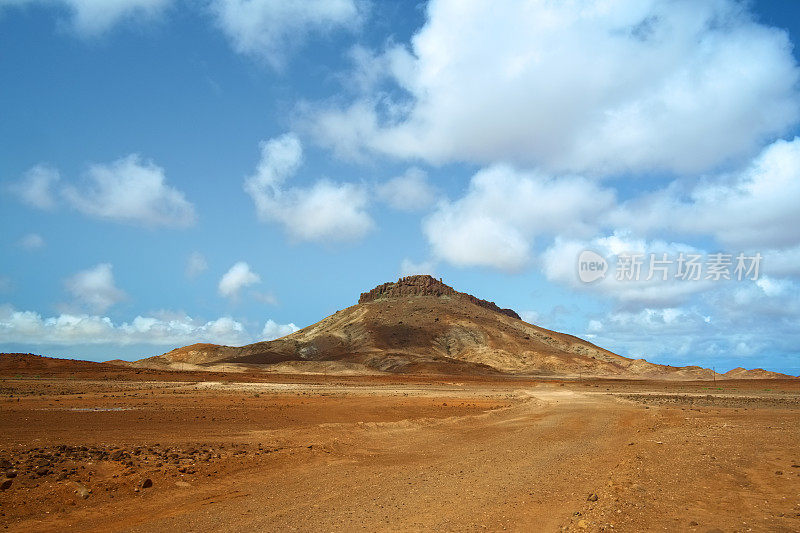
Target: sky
[229, 171]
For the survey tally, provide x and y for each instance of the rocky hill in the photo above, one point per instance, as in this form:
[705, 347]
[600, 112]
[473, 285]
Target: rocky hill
[418, 324]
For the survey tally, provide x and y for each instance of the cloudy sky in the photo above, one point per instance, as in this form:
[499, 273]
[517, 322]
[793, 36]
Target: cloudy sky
[176, 171]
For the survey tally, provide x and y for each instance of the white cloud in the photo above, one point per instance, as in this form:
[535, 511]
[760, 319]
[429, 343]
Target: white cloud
[196, 264]
[560, 263]
[495, 223]
[753, 208]
[326, 211]
[681, 332]
[36, 187]
[782, 262]
[175, 330]
[273, 330]
[503, 210]
[581, 86]
[90, 18]
[265, 297]
[94, 288]
[595, 326]
[269, 29]
[409, 192]
[411, 268]
[236, 278]
[768, 298]
[749, 323]
[133, 191]
[773, 287]
[32, 241]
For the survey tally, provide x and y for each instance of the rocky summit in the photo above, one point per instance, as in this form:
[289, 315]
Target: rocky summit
[425, 285]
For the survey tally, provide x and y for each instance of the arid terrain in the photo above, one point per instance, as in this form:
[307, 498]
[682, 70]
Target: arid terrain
[104, 448]
[420, 408]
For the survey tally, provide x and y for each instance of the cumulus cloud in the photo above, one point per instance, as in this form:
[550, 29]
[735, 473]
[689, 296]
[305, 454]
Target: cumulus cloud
[196, 264]
[270, 29]
[752, 208]
[409, 192]
[682, 333]
[94, 288]
[129, 190]
[265, 297]
[495, 222]
[36, 188]
[32, 241]
[735, 324]
[559, 263]
[236, 278]
[503, 210]
[325, 211]
[410, 268]
[28, 327]
[133, 191]
[273, 330]
[576, 86]
[90, 18]
[782, 262]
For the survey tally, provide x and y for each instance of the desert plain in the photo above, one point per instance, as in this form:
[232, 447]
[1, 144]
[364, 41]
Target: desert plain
[97, 447]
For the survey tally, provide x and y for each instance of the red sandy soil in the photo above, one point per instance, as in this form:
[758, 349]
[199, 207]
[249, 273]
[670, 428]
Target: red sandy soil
[310, 453]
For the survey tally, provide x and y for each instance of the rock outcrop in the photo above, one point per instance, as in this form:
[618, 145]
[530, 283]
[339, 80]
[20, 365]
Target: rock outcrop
[425, 285]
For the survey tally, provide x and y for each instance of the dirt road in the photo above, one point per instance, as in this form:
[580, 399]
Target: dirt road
[400, 456]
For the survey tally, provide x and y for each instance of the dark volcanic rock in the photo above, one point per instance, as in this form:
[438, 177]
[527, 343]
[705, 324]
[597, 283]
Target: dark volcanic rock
[425, 285]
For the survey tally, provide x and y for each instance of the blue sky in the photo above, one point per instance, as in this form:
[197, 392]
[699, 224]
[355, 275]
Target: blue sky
[229, 170]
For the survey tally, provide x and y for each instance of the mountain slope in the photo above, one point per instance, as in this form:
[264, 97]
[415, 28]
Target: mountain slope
[419, 324]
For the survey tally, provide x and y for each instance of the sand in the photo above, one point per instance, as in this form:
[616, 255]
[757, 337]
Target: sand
[312, 453]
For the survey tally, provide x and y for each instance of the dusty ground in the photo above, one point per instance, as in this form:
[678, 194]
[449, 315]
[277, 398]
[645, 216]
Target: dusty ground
[388, 453]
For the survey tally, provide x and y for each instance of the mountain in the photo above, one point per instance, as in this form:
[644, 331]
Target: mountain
[756, 373]
[418, 324]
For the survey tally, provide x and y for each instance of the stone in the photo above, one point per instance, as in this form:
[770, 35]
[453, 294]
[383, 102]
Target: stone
[147, 483]
[592, 497]
[425, 285]
[82, 491]
[5, 485]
